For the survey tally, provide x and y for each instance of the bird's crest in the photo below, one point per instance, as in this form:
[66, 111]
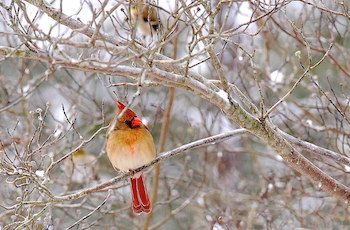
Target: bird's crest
[128, 115]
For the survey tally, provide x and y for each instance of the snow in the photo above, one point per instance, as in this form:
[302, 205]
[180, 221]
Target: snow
[347, 168]
[26, 88]
[217, 226]
[279, 158]
[277, 77]
[223, 95]
[39, 173]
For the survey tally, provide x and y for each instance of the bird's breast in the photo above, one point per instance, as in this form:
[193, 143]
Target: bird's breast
[130, 149]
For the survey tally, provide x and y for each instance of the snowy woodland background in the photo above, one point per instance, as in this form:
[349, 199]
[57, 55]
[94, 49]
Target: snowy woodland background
[246, 73]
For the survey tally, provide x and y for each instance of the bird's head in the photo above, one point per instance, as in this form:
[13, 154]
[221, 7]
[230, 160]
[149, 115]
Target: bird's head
[129, 117]
[136, 7]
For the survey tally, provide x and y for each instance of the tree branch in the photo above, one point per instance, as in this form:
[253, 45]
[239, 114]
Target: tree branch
[163, 156]
[315, 149]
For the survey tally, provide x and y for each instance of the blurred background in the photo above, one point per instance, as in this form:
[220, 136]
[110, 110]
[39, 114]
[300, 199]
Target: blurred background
[48, 109]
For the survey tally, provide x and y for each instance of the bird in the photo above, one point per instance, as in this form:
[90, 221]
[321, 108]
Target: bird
[129, 146]
[145, 17]
[81, 167]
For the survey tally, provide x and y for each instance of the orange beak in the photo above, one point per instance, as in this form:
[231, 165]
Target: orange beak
[136, 122]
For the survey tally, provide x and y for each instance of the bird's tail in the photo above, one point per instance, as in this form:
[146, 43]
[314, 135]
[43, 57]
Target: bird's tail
[140, 199]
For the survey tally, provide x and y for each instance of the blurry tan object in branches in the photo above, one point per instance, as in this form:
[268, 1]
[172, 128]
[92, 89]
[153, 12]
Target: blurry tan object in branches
[145, 17]
[81, 167]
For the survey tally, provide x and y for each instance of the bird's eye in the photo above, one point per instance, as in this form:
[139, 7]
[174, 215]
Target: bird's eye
[128, 123]
[133, 123]
[155, 27]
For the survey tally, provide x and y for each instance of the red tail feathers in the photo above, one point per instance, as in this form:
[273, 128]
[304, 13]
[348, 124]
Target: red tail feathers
[140, 199]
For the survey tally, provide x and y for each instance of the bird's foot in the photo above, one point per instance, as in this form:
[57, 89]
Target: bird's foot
[132, 172]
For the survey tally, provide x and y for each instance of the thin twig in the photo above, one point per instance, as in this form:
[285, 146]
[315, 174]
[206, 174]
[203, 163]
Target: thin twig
[82, 144]
[306, 71]
[92, 212]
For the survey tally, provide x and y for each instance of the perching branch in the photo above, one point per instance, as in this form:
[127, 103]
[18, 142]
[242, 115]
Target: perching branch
[163, 156]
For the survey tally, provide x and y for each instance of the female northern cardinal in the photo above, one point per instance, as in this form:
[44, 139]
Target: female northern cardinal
[129, 146]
